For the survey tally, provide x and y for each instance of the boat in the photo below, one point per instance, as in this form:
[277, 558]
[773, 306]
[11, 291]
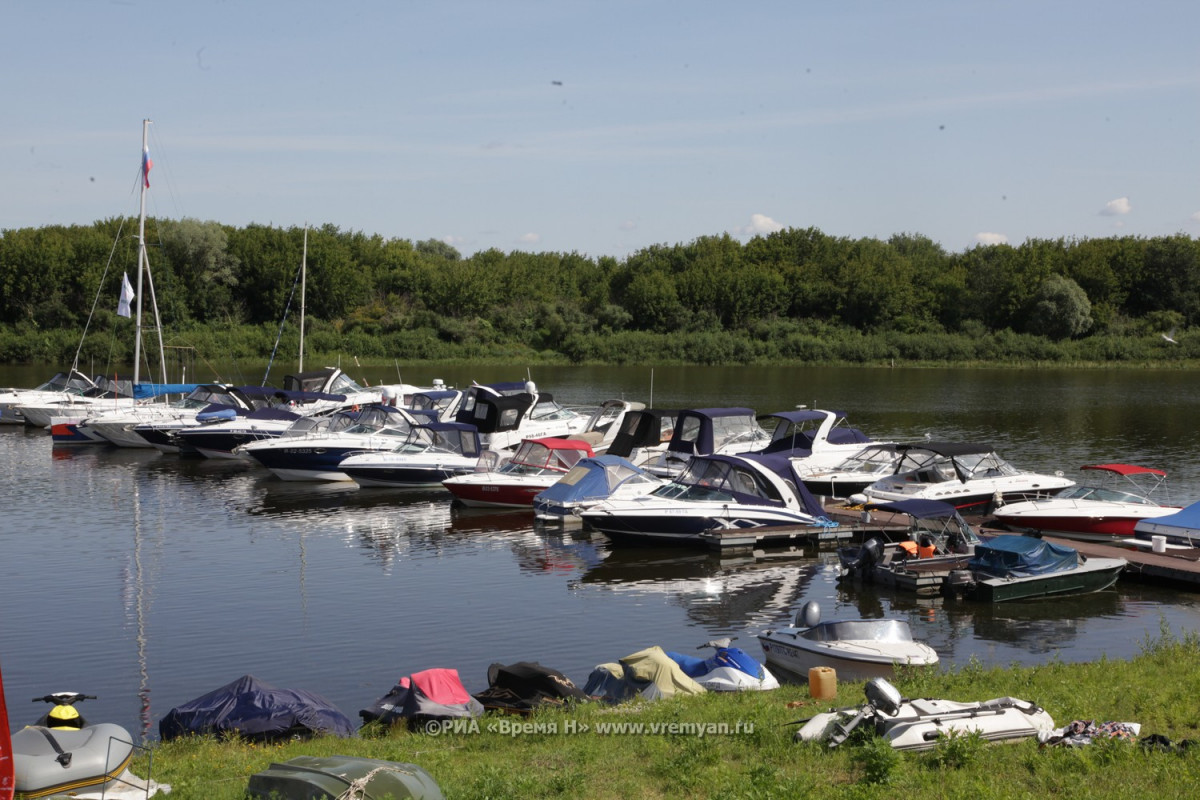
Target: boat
[971, 477]
[919, 543]
[856, 649]
[814, 438]
[1013, 567]
[643, 435]
[591, 481]
[604, 423]
[714, 493]
[310, 777]
[62, 383]
[124, 427]
[1180, 529]
[922, 723]
[64, 754]
[705, 431]
[1100, 513]
[422, 697]
[432, 453]
[851, 475]
[508, 413]
[315, 452]
[536, 465]
[728, 669]
[648, 674]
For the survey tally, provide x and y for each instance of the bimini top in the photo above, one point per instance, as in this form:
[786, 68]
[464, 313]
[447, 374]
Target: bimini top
[1125, 469]
[917, 507]
[947, 449]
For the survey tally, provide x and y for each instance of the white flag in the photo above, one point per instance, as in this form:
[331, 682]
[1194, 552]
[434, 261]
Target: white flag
[126, 297]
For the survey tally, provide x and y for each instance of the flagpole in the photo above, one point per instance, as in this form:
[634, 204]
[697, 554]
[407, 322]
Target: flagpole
[137, 340]
[303, 293]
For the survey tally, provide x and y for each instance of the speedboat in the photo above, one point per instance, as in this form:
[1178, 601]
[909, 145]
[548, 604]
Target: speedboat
[857, 649]
[592, 481]
[605, 421]
[971, 477]
[1102, 513]
[851, 475]
[316, 454]
[713, 493]
[109, 393]
[1013, 567]
[508, 413]
[72, 382]
[814, 438]
[537, 464]
[123, 428]
[643, 435]
[921, 724]
[705, 431]
[69, 427]
[919, 544]
[431, 454]
[1180, 529]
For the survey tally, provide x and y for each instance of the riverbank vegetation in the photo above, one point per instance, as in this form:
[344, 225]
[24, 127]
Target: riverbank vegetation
[562, 754]
[795, 296]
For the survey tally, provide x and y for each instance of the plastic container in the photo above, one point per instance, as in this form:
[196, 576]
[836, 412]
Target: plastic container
[822, 683]
[1158, 544]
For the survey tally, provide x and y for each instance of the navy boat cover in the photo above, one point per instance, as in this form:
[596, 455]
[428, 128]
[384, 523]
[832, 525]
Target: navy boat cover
[255, 710]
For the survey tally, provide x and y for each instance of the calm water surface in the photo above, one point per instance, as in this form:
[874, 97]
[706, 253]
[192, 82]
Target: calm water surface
[148, 579]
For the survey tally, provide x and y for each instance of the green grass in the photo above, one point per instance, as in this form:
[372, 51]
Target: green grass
[564, 754]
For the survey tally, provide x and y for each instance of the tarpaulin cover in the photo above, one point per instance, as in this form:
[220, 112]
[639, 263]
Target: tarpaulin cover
[253, 709]
[526, 685]
[429, 694]
[1016, 556]
[648, 673]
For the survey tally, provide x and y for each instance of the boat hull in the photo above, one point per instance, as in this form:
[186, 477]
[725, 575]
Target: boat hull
[672, 524]
[496, 494]
[851, 662]
[1093, 575]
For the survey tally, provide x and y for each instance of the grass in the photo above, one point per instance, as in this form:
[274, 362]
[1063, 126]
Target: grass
[567, 754]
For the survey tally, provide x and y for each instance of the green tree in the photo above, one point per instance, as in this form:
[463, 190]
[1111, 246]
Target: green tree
[1062, 309]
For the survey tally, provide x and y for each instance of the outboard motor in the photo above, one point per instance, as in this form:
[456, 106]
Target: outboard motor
[809, 615]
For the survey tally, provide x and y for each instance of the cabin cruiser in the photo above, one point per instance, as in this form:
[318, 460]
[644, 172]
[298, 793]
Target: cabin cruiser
[110, 392]
[851, 475]
[971, 477]
[857, 649]
[72, 382]
[536, 465]
[121, 427]
[812, 437]
[508, 413]
[643, 435]
[315, 452]
[591, 481]
[432, 453]
[1101, 513]
[713, 493]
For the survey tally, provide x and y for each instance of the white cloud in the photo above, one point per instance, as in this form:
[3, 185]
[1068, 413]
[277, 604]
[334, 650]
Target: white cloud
[1195, 217]
[454, 241]
[628, 225]
[990, 238]
[1115, 208]
[760, 223]
[530, 238]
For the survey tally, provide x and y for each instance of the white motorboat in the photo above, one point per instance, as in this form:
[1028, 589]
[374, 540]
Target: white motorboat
[714, 493]
[971, 477]
[121, 427]
[592, 481]
[537, 465]
[72, 382]
[919, 724]
[431, 454]
[707, 431]
[1100, 513]
[851, 475]
[856, 649]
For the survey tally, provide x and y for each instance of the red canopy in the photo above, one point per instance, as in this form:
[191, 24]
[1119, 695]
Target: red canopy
[1126, 469]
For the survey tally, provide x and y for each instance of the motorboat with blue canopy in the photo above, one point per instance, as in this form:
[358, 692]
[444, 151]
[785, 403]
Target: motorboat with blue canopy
[220, 433]
[1181, 528]
[713, 493]
[1013, 567]
[591, 481]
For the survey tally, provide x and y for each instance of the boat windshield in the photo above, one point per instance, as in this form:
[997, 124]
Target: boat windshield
[875, 630]
[745, 432]
[1103, 494]
[705, 480]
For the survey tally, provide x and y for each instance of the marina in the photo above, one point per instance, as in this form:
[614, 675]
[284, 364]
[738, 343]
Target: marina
[178, 574]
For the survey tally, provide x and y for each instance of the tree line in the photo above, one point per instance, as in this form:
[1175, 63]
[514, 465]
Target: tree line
[793, 295]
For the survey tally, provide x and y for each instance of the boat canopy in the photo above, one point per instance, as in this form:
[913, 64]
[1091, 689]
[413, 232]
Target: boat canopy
[551, 453]
[1187, 520]
[457, 438]
[647, 427]
[1013, 556]
[649, 673]
[796, 431]
[917, 507]
[525, 686]
[142, 391]
[493, 412]
[700, 431]
[1125, 469]
[595, 479]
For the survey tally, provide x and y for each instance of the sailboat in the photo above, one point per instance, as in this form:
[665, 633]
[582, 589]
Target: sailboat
[64, 424]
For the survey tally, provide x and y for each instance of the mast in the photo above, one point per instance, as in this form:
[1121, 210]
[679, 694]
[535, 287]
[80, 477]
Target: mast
[303, 279]
[142, 259]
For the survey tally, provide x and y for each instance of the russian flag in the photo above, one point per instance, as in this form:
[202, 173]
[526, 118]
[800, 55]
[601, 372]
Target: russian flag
[146, 165]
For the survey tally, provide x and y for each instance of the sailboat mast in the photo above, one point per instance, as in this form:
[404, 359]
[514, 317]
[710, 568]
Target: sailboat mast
[137, 338]
[303, 294]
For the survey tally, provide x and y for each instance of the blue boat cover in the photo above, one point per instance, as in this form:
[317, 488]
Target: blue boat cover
[592, 478]
[735, 657]
[1014, 556]
[255, 710]
[917, 507]
[1187, 518]
[142, 390]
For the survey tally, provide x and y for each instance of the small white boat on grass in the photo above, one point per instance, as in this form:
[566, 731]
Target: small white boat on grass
[919, 724]
[856, 649]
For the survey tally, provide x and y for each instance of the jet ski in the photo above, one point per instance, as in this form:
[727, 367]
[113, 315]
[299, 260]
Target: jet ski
[728, 669]
[62, 752]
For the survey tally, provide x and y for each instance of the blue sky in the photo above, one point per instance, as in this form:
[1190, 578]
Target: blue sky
[606, 127]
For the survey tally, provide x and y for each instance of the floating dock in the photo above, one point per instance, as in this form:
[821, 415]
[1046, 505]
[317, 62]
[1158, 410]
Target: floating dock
[1179, 568]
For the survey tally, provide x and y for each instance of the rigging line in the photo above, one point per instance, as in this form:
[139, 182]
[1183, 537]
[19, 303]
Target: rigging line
[279, 336]
[99, 290]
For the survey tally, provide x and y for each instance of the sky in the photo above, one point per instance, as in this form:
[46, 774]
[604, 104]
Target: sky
[602, 128]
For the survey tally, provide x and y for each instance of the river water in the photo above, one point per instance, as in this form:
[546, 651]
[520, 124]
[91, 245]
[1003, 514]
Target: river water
[148, 580]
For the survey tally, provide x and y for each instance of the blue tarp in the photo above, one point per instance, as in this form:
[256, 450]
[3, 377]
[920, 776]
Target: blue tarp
[143, 390]
[255, 710]
[1186, 520]
[592, 479]
[1013, 556]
